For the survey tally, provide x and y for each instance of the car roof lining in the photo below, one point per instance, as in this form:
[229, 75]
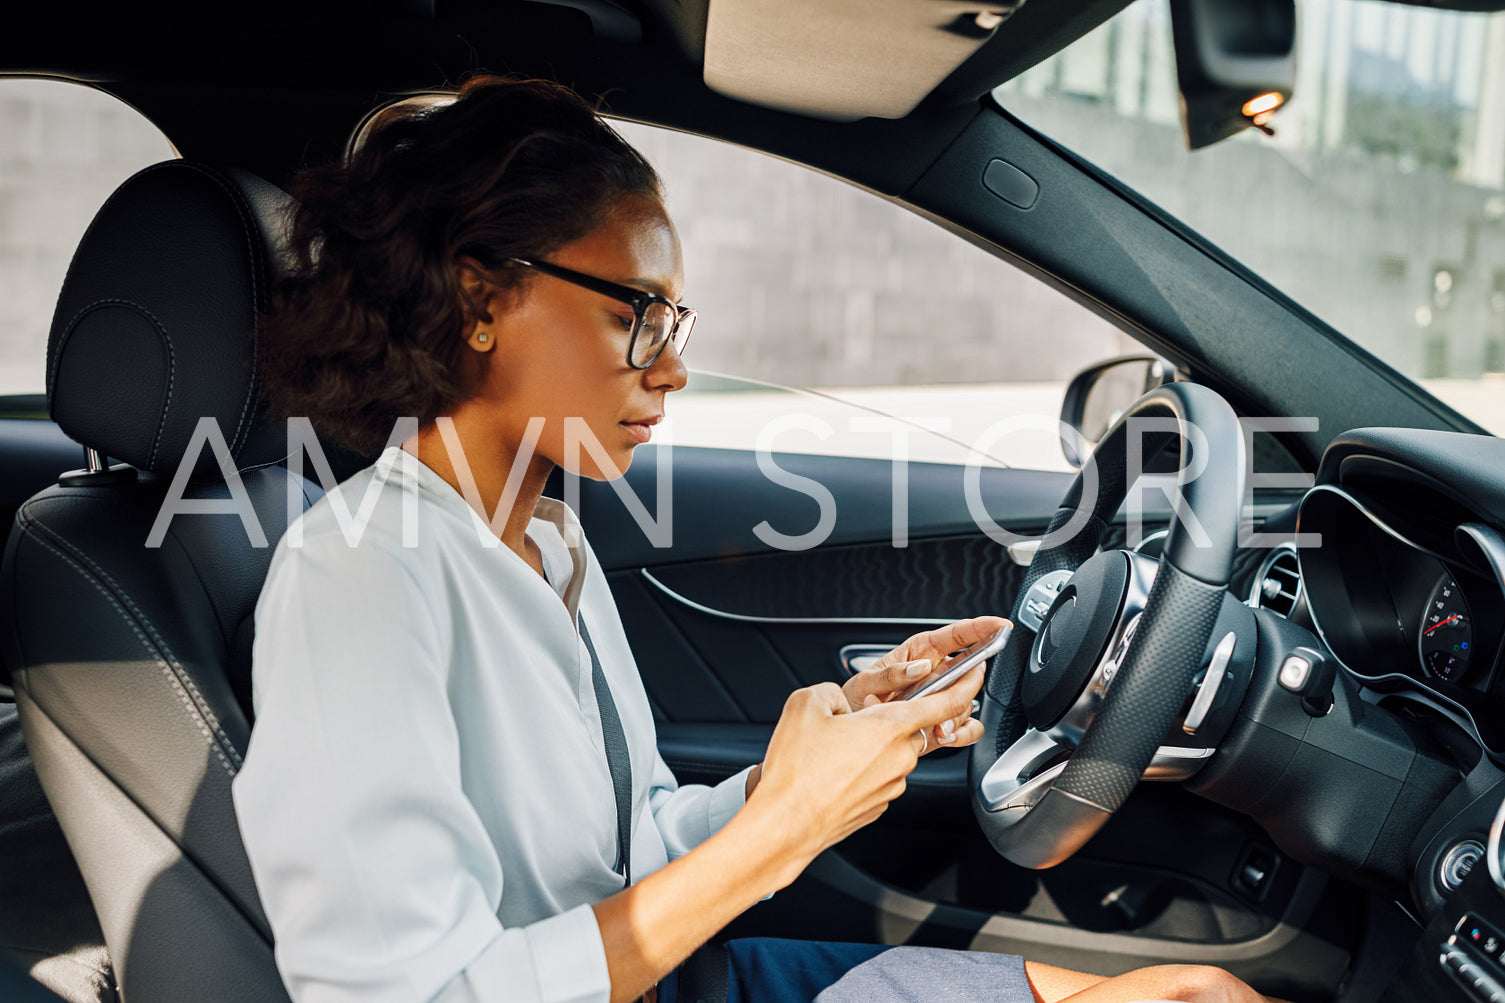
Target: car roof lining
[317, 68]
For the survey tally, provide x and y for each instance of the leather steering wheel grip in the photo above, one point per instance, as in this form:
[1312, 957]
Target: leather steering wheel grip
[1165, 654]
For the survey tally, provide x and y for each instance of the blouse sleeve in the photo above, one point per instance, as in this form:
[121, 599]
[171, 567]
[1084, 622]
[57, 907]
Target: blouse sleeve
[688, 816]
[378, 878]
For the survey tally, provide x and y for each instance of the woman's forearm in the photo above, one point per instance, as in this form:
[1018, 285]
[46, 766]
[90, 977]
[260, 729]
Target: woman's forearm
[829, 771]
[654, 925]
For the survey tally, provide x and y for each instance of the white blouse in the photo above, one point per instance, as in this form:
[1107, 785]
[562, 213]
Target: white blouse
[426, 801]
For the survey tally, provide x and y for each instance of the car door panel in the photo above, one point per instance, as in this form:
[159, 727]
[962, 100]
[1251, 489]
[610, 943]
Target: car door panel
[721, 496]
[724, 625]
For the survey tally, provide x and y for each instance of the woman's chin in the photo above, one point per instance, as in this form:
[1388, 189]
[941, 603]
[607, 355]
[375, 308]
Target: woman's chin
[591, 467]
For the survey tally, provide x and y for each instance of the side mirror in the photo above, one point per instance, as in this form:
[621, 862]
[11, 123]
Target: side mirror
[1235, 63]
[1097, 395]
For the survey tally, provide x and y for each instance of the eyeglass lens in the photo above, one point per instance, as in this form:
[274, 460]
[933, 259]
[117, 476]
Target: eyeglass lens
[658, 324]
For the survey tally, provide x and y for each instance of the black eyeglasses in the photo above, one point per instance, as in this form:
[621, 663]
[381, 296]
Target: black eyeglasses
[658, 321]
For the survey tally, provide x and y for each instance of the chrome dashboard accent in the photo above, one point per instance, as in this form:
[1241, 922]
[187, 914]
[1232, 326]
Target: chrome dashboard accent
[1379, 523]
[746, 618]
[1259, 592]
[1382, 526]
[1489, 541]
[1457, 863]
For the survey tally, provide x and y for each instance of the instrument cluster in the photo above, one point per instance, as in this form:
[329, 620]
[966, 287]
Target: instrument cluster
[1406, 590]
[1445, 634]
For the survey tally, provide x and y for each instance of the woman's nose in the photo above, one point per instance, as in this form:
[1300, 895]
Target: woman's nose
[668, 370]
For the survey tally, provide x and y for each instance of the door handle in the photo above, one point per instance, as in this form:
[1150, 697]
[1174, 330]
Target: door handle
[854, 658]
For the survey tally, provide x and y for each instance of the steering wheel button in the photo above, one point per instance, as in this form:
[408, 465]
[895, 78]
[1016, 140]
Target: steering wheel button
[1293, 672]
[1040, 597]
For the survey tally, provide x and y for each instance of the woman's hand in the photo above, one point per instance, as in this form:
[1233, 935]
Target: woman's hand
[830, 770]
[911, 663]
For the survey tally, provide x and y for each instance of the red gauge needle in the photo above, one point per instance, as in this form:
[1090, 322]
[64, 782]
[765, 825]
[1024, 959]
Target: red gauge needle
[1444, 623]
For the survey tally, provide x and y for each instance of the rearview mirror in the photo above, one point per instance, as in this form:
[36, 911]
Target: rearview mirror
[1235, 63]
[1097, 395]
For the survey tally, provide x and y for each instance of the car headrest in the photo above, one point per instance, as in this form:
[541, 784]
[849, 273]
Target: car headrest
[158, 321]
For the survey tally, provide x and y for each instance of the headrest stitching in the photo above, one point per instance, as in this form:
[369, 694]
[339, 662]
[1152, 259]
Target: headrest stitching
[62, 347]
[68, 276]
[249, 229]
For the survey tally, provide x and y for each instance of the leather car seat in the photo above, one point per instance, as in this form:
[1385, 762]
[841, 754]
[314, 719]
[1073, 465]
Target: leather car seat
[48, 929]
[132, 662]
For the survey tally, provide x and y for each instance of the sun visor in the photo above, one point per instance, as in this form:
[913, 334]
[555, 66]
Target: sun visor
[842, 59]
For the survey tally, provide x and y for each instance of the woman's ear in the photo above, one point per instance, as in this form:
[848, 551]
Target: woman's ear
[480, 295]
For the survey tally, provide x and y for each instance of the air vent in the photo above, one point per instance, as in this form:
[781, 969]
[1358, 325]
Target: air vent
[1277, 587]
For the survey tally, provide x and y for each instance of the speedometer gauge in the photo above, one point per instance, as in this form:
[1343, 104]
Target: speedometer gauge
[1447, 635]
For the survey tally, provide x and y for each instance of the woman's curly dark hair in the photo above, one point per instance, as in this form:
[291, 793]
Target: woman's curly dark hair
[370, 325]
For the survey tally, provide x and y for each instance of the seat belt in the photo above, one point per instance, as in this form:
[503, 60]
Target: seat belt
[617, 758]
[704, 976]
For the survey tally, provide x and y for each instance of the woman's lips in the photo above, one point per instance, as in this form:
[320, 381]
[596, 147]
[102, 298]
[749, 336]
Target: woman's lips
[642, 431]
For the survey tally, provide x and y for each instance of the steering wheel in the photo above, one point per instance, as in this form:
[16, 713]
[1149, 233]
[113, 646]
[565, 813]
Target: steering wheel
[1107, 647]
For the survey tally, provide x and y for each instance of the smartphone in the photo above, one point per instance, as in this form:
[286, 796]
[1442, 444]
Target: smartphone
[957, 664]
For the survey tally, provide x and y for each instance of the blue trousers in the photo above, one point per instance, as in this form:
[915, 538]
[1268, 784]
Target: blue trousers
[770, 970]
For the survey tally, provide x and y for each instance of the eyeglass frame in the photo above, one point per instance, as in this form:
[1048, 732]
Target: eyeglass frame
[639, 299]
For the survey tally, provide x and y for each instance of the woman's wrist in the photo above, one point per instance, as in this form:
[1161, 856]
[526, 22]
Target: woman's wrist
[771, 841]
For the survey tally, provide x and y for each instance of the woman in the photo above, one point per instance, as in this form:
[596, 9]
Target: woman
[443, 689]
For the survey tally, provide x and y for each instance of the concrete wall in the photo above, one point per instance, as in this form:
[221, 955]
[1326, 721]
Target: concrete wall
[1358, 240]
[63, 149]
[802, 279]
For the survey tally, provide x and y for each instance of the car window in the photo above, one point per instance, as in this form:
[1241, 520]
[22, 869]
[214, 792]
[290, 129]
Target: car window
[63, 149]
[1378, 203]
[802, 281]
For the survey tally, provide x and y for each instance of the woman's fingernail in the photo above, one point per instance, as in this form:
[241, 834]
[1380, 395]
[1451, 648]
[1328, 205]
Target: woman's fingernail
[915, 670]
[975, 708]
[948, 731]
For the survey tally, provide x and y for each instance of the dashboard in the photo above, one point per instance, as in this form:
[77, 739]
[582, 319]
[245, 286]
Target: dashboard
[1400, 547]
[1403, 570]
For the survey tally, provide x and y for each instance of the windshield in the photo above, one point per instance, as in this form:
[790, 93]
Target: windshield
[1379, 203]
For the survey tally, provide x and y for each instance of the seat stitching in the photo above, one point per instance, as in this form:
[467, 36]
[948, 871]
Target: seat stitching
[248, 226]
[46, 953]
[262, 466]
[203, 705]
[162, 664]
[198, 708]
[166, 342]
